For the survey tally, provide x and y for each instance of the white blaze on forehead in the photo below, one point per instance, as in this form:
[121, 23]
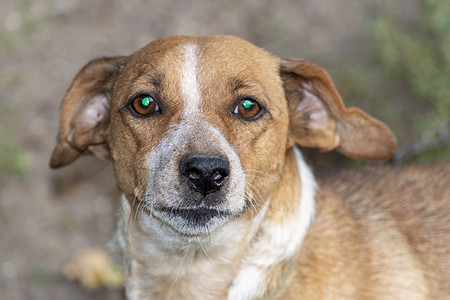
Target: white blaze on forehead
[189, 79]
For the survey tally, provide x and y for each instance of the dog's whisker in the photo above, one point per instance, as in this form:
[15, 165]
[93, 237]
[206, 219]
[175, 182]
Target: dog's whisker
[250, 200]
[253, 188]
[256, 176]
[204, 252]
[251, 197]
[132, 219]
[262, 173]
[122, 208]
[256, 207]
[102, 167]
[135, 211]
[180, 269]
[140, 202]
[262, 201]
[282, 184]
[134, 208]
[138, 211]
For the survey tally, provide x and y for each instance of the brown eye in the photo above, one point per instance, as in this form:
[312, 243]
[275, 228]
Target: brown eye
[144, 106]
[248, 109]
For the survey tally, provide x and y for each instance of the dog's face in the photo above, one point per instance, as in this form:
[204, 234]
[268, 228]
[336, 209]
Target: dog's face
[198, 128]
[210, 120]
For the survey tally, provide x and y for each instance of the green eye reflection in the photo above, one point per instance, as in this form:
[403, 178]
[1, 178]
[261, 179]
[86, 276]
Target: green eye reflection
[248, 109]
[144, 106]
[145, 101]
[247, 104]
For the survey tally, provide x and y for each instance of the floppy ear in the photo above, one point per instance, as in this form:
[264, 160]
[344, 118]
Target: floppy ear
[84, 121]
[319, 119]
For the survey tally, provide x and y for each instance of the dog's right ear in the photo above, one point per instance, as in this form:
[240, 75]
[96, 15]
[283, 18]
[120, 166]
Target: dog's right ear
[84, 120]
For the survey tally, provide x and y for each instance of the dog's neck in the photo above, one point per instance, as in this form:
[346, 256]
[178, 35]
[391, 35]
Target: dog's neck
[158, 261]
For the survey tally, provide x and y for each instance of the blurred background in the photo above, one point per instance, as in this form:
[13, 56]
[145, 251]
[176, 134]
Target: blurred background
[391, 58]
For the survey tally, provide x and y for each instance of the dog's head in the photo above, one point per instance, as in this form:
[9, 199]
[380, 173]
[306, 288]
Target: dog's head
[198, 127]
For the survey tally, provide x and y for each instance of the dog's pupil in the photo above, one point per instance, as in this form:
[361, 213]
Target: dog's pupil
[145, 101]
[247, 104]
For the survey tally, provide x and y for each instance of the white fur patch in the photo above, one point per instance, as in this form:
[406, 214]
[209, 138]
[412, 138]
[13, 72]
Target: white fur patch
[250, 282]
[278, 242]
[189, 80]
[308, 203]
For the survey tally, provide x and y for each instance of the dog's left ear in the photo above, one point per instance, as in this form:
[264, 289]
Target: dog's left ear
[319, 119]
[84, 122]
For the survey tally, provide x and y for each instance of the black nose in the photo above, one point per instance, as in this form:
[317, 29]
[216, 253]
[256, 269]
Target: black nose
[203, 173]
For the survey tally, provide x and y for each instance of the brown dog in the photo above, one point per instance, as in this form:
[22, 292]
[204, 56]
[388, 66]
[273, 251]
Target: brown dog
[218, 201]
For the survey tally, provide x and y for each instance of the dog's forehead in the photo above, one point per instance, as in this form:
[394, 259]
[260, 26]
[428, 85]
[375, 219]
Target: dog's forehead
[213, 55]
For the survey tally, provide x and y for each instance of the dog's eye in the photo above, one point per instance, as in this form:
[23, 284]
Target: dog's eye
[144, 106]
[248, 109]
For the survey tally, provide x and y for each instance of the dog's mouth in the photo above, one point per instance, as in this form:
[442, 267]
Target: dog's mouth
[192, 221]
[198, 216]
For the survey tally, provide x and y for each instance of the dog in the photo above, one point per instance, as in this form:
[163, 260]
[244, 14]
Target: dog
[205, 137]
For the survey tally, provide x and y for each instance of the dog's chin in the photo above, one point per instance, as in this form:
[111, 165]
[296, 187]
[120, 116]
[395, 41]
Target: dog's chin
[192, 221]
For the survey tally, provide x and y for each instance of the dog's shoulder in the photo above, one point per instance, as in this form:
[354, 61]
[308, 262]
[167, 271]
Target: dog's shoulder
[377, 215]
[415, 189]
[416, 197]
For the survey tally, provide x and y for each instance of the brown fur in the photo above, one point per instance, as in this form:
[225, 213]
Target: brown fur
[389, 231]
[378, 233]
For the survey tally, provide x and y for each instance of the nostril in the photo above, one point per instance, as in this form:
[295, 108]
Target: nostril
[194, 174]
[219, 177]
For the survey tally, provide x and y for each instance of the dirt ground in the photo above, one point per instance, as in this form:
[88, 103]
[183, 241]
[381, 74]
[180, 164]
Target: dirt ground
[48, 216]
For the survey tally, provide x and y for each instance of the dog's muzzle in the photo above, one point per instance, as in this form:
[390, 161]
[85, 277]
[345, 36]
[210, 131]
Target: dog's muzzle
[204, 195]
